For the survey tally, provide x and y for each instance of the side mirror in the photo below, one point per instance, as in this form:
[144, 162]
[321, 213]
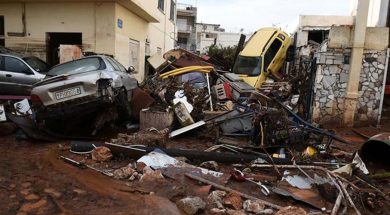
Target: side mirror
[131, 69]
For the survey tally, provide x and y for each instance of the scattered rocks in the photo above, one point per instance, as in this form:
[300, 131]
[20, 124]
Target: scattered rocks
[253, 206]
[291, 210]
[233, 200]
[215, 199]
[124, 172]
[28, 207]
[140, 166]
[211, 165]
[133, 176]
[151, 175]
[31, 197]
[101, 153]
[191, 205]
[25, 192]
[52, 192]
[267, 212]
[26, 184]
[218, 211]
[236, 212]
[79, 191]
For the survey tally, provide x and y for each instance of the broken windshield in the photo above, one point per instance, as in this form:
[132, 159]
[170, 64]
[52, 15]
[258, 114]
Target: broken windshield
[77, 66]
[245, 65]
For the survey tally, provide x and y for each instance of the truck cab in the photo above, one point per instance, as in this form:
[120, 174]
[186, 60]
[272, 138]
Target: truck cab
[264, 53]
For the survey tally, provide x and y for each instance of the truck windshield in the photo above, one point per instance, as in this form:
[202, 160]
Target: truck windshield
[77, 66]
[245, 65]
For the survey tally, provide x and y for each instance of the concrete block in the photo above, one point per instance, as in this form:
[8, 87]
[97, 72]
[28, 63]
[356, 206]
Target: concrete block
[156, 119]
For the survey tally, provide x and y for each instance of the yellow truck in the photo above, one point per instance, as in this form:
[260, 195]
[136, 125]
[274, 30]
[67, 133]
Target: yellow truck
[263, 54]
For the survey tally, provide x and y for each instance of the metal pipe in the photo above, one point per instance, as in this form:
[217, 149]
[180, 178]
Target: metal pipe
[208, 88]
[383, 89]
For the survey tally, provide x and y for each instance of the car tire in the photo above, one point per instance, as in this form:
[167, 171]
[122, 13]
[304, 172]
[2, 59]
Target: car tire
[123, 106]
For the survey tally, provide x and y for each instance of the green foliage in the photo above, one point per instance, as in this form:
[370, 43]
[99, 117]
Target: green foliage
[223, 54]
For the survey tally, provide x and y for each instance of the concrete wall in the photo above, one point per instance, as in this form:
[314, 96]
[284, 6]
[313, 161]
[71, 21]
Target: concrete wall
[134, 28]
[98, 23]
[332, 80]
[316, 22]
[47, 17]
[333, 73]
[163, 34]
[160, 35]
[376, 38]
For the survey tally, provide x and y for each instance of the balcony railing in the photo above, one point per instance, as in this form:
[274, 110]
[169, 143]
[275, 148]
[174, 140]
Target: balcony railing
[185, 28]
[188, 7]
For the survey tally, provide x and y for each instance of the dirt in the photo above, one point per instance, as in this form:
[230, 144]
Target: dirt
[34, 181]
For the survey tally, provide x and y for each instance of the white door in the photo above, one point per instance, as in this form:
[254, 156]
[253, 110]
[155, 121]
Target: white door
[134, 54]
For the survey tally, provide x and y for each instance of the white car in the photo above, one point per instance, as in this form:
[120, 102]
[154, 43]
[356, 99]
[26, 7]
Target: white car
[83, 86]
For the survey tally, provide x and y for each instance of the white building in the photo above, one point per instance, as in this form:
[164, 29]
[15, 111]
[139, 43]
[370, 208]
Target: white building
[212, 34]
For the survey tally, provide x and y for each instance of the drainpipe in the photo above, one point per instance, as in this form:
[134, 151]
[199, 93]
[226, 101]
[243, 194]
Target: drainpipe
[359, 36]
[383, 90]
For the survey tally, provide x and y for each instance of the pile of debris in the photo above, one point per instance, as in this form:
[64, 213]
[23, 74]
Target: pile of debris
[255, 155]
[240, 150]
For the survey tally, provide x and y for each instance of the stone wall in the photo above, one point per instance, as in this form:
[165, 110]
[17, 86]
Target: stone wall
[331, 83]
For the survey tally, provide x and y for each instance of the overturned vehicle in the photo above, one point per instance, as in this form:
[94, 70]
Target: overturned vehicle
[95, 89]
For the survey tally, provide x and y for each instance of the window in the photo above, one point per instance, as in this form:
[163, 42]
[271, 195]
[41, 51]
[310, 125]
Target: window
[182, 40]
[121, 67]
[173, 10]
[271, 52]
[14, 65]
[247, 65]
[78, 66]
[37, 64]
[2, 42]
[161, 5]
[113, 64]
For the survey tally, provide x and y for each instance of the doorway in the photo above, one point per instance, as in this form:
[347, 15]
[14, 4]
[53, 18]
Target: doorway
[2, 38]
[53, 42]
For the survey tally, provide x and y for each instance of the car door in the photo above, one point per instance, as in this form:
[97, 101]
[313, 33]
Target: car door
[128, 80]
[16, 77]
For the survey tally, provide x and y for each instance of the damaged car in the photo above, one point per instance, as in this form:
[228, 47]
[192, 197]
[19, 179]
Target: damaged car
[90, 85]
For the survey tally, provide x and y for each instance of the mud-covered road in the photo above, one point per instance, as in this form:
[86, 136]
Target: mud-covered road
[34, 181]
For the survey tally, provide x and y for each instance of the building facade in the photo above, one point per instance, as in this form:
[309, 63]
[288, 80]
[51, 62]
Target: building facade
[186, 27]
[212, 34]
[129, 30]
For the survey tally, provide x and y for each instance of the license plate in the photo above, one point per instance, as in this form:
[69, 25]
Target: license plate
[68, 93]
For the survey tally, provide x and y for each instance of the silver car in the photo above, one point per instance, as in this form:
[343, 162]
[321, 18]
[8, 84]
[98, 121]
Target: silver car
[82, 86]
[18, 73]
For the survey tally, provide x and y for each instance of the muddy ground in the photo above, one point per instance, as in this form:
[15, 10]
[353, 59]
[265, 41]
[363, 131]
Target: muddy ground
[34, 181]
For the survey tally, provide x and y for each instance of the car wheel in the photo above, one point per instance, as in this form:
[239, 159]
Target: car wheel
[123, 106]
